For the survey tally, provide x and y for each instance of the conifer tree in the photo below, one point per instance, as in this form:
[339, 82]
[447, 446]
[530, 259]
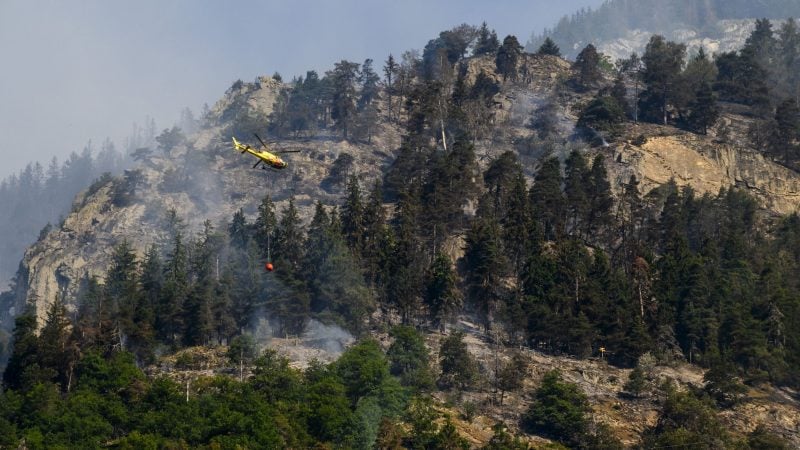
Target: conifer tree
[517, 223]
[663, 62]
[239, 230]
[265, 225]
[704, 110]
[587, 64]
[486, 43]
[122, 290]
[783, 142]
[343, 96]
[151, 283]
[441, 292]
[546, 198]
[599, 220]
[575, 184]
[404, 277]
[56, 352]
[353, 216]
[390, 69]
[486, 264]
[169, 315]
[368, 81]
[459, 368]
[289, 237]
[508, 56]
[23, 369]
[375, 235]
[549, 47]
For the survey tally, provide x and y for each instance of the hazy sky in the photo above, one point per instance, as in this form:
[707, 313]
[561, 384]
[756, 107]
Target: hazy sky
[88, 69]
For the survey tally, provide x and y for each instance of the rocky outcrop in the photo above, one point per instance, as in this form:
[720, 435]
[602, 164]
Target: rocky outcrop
[705, 165]
[200, 179]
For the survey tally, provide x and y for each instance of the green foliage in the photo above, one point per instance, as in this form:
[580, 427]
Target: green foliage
[409, 358]
[459, 367]
[603, 113]
[169, 139]
[549, 47]
[560, 411]
[636, 382]
[363, 368]
[508, 56]
[686, 420]
[587, 66]
[486, 42]
[441, 292]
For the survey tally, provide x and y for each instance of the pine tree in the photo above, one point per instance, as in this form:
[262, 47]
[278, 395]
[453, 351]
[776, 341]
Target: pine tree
[575, 184]
[169, 323]
[508, 56]
[23, 369]
[459, 368]
[289, 238]
[599, 220]
[487, 43]
[486, 264]
[549, 47]
[663, 61]
[517, 223]
[587, 64]
[787, 131]
[265, 226]
[122, 290]
[239, 231]
[390, 69]
[56, 353]
[704, 110]
[546, 199]
[404, 276]
[375, 235]
[368, 80]
[343, 96]
[441, 292]
[353, 216]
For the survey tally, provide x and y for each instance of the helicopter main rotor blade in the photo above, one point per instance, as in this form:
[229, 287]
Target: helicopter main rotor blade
[256, 164]
[262, 142]
[288, 151]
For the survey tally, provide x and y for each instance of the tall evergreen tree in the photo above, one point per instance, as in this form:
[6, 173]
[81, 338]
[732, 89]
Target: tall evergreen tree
[587, 64]
[441, 292]
[547, 200]
[486, 265]
[343, 95]
[487, 42]
[265, 225]
[169, 322]
[508, 56]
[404, 276]
[549, 47]
[704, 110]
[289, 237]
[368, 81]
[353, 216]
[663, 61]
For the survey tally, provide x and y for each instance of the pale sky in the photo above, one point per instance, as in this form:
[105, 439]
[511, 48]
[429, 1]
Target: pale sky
[74, 71]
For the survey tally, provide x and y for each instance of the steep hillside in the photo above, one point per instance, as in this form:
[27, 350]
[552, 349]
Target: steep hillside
[204, 179]
[197, 178]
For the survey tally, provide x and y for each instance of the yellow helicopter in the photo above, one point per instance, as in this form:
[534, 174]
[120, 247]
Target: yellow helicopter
[270, 159]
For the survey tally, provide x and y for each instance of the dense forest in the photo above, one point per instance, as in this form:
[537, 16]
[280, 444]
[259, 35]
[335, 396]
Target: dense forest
[560, 264]
[614, 17]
